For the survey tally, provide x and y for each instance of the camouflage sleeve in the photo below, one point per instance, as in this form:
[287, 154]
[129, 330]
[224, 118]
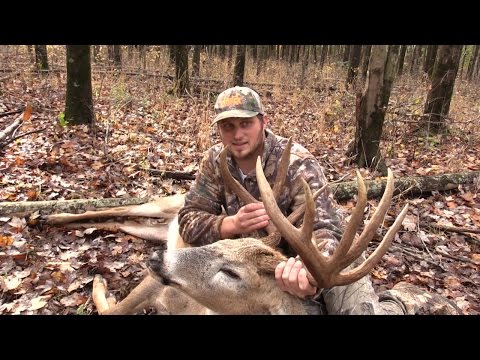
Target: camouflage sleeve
[327, 223]
[201, 216]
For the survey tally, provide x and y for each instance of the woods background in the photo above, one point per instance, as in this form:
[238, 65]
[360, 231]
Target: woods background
[132, 122]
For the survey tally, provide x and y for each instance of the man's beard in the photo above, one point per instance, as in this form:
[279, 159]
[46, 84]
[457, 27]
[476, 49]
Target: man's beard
[252, 152]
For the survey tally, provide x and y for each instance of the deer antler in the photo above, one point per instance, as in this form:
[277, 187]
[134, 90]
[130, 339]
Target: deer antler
[247, 198]
[326, 270]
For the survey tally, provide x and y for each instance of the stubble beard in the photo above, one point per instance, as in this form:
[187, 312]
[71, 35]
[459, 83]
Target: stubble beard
[252, 152]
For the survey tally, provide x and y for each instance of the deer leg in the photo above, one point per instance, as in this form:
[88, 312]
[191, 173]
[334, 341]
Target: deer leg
[144, 295]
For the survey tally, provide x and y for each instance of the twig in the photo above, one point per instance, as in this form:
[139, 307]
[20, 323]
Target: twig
[458, 258]
[455, 229]
[27, 133]
[183, 142]
[11, 112]
[417, 256]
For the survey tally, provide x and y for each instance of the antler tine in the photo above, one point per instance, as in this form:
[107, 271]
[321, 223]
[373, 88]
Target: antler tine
[369, 230]
[371, 261]
[282, 170]
[295, 215]
[238, 189]
[232, 183]
[299, 239]
[355, 220]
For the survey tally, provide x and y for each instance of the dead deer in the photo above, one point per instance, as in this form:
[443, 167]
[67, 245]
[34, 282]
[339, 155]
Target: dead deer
[237, 276]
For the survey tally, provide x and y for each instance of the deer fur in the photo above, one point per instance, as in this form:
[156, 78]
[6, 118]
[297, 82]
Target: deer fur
[226, 277]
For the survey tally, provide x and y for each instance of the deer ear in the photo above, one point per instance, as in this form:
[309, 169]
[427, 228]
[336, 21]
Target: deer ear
[266, 260]
[272, 240]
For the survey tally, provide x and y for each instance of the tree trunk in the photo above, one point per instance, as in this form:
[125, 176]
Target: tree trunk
[171, 54]
[353, 64]
[239, 69]
[303, 69]
[41, 57]
[471, 64]
[261, 59]
[367, 50]
[196, 61]
[430, 59]
[117, 56]
[439, 97]
[371, 108]
[410, 185]
[401, 60]
[323, 56]
[31, 54]
[79, 101]
[417, 53]
[346, 54]
[182, 85]
[96, 53]
[143, 56]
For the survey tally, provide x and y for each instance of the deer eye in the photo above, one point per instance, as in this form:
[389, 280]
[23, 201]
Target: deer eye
[230, 273]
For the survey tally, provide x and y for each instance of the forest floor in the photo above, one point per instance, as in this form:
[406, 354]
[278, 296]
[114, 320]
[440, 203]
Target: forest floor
[49, 270]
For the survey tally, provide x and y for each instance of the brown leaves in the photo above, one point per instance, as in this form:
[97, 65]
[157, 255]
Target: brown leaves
[27, 113]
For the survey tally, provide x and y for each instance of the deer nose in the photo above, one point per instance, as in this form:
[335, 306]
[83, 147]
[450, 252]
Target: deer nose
[156, 257]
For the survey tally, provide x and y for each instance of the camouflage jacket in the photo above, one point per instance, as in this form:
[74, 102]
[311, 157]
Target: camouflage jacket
[201, 216]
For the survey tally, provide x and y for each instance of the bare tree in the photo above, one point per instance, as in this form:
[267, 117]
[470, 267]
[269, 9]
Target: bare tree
[182, 84]
[239, 69]
[430, 59]
[438, 100]
[79, 101]
[371, 109]
[196, 60]
[471, 64]
[41, 58]
[353, 63]
[401, 60]
[117, 56]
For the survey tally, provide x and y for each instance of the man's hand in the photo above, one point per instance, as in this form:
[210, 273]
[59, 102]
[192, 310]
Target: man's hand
[291, 276]
[249, 218]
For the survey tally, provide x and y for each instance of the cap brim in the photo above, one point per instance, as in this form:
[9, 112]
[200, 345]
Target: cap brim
[234, 114]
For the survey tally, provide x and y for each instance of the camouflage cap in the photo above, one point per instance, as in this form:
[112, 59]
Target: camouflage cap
[237, 101]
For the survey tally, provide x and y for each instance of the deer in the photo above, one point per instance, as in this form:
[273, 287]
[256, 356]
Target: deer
[236, 276]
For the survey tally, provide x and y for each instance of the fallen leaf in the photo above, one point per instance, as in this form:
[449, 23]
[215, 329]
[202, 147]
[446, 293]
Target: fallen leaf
[27, 113]
[468, 196]
[452, 283]
[410, 223]
[73, 300]
[6, 240]
[10, 283]
[451, 204]
[39, 302]
[79, 283]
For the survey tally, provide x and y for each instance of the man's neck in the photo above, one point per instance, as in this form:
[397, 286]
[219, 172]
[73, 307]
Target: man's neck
[246, 165]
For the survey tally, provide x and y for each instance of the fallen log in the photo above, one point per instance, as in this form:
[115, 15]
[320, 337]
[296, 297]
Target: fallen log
[341, 191]
[73, 206]
[410, 185]
[177, 175]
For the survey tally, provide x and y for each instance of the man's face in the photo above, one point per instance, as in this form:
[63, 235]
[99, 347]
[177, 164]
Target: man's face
[244, 135]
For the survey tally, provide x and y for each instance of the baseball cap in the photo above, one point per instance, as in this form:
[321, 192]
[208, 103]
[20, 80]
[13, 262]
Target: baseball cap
[238, 101]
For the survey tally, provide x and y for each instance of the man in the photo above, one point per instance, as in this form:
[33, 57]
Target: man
[242, 124]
